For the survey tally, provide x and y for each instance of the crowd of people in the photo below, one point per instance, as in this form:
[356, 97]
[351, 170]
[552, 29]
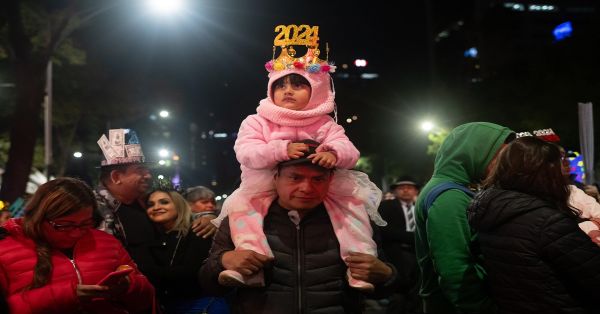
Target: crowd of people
[499, 228]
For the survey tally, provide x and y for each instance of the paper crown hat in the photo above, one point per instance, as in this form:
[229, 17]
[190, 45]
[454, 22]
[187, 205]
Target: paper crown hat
[293, 35]
[121, 147]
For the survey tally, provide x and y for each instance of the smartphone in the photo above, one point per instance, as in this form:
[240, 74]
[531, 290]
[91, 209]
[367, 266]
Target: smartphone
[113, 278]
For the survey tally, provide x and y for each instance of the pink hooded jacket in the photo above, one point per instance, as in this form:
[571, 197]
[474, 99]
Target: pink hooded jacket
[263, 138]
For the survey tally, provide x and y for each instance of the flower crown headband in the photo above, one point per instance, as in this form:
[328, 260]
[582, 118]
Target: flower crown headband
[303, 35]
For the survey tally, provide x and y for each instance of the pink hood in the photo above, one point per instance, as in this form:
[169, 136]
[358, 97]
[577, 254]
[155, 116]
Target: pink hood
[322, 100]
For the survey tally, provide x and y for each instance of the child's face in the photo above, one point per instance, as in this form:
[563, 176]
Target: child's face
[291, 96]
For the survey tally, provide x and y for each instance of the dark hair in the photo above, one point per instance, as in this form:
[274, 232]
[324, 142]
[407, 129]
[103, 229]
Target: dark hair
[106, 170]
[293, 78]
[53, 199]
[532, 166]
[282, 166]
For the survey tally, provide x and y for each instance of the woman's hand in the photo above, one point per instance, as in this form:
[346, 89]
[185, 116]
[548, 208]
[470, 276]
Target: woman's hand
[89, 292]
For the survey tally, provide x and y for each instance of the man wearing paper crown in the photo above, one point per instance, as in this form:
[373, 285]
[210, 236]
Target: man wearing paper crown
[124, 180]
[293, 123]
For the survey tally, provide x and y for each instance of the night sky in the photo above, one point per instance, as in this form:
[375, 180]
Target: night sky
[206, 67]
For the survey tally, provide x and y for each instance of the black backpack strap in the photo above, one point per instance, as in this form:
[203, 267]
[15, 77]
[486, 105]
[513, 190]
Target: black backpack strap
[439, 189]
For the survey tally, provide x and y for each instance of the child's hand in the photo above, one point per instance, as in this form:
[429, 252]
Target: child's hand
[324, 159]
[296, 150]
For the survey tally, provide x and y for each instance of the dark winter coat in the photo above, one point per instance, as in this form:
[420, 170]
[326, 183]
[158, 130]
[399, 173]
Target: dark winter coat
[398, 244]
[176, 261]
[94, 256]
[307, 275]
[536, 257]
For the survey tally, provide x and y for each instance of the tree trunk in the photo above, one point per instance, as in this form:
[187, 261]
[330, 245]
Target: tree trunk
[30, 77]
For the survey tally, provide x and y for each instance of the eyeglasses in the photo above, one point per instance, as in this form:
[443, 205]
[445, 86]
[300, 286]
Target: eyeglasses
[88, 224]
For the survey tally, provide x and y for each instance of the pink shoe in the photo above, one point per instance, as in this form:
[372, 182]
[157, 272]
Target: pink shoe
[232, 278]
[360, 284]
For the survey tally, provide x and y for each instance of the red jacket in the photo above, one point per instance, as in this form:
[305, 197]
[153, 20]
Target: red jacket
[95, 255]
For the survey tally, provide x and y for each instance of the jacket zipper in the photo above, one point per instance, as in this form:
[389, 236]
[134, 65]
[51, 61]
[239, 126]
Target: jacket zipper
[76, 271]
[299, 269]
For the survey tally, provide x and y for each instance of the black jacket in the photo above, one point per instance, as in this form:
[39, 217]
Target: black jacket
[174, 264]
[537, 258]
[398, 244]
[307, 275]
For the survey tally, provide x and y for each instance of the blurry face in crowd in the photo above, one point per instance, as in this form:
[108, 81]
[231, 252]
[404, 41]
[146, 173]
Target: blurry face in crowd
[135, 180]
[65, 231]
[406, 193]
[293, 96]
[161, 209]
[302, 187]
[4, 216]
[202, 205]
[564, 160]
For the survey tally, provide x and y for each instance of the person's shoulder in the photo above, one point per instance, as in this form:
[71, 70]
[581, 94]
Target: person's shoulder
[388, 204]
[452, 200]
[453, 195]
[99, 235]
[326, 120]
[254, 118]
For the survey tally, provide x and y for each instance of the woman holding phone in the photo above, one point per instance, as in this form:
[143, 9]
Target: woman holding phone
[52, 259]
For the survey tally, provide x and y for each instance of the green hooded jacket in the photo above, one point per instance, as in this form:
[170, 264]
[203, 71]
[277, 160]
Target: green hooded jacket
[453, 281]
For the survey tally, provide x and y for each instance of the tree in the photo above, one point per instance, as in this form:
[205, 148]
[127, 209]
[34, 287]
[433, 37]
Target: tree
[436, 139]
[32, 34]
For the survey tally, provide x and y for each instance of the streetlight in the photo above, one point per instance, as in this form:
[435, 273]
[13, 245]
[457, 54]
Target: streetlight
[163, 153]
[77, 154]
[163, 114]
[165, 7]
[360, 63]
[427, 126]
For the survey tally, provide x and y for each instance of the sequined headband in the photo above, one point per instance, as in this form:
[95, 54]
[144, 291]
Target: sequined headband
[289, 36]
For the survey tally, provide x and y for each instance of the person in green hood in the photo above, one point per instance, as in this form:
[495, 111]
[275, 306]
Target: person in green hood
[453, 279]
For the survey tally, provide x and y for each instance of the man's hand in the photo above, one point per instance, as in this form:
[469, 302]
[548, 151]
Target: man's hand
[368, 268]
[246, 262]
[202, 226]
[296, 150]
[324, 159]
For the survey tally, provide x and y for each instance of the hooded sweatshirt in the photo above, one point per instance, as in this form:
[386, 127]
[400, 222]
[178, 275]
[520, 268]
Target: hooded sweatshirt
[452, 279]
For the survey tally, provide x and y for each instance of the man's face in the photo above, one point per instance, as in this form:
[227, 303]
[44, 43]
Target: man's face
[135, 180]
[64, 232]
[302, 187]
[406, 192]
